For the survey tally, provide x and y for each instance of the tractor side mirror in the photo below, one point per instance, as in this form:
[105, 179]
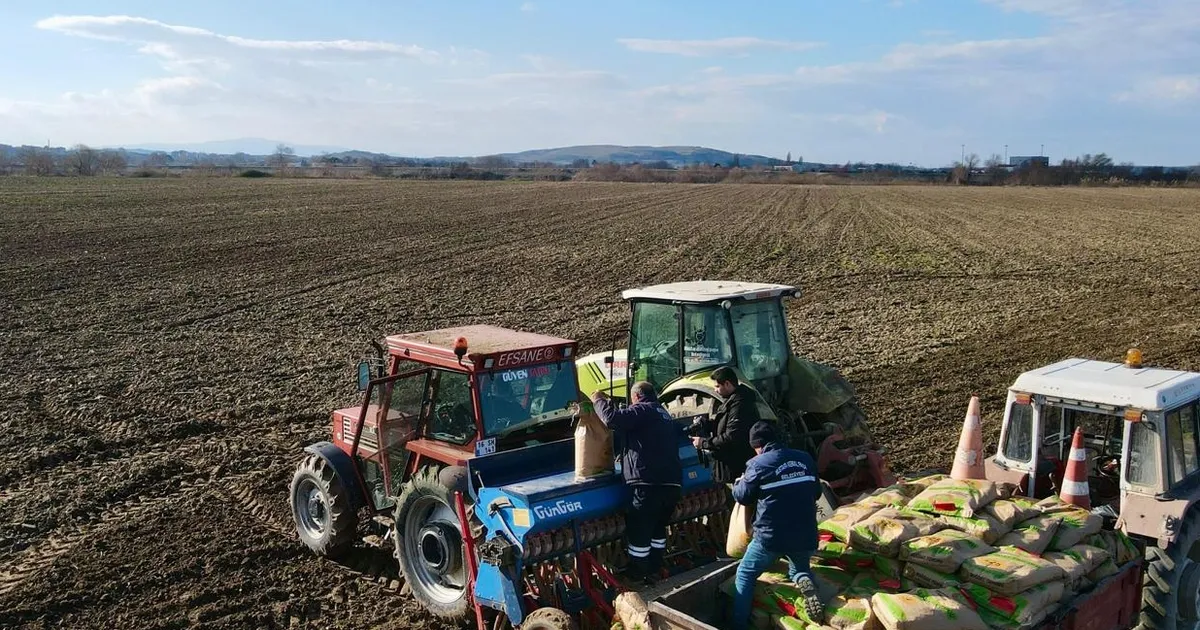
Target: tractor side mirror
[364, 375]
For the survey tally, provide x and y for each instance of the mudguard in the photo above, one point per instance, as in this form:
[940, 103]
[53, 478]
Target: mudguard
[343, 467]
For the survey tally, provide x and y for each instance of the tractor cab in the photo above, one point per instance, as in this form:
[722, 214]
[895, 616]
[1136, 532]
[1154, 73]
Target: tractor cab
[1139, 426]
[686, 328]
[681, 332]
[451, 394]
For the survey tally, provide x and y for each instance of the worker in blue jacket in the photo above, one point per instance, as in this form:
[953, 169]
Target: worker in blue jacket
[783, 482]
[652, 470]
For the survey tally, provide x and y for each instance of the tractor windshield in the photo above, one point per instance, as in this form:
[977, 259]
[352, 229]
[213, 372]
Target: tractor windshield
[526, 396]
[749, 335]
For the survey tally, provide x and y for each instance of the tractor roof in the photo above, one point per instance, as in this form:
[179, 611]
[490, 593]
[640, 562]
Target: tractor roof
[482, 341]
[1111, 384]
[701, 291]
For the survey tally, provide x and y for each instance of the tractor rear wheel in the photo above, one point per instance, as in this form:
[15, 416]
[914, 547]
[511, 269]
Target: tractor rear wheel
[429, 546]
[1171, 592]
[549, 619]
[321, 509]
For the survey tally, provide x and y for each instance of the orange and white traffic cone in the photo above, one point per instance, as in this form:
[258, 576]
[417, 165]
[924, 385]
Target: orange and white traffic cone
[1075, 480]
[968, 458]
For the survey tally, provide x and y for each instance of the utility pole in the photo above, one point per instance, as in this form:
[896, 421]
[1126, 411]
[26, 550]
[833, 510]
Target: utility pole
[962, 158]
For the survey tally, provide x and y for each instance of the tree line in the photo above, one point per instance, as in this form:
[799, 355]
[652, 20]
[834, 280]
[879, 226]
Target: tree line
[1098, 169]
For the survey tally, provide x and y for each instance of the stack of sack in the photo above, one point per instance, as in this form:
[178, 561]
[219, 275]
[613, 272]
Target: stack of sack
[948, 553]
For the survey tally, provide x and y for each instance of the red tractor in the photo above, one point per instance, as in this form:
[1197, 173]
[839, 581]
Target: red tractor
[433, 401]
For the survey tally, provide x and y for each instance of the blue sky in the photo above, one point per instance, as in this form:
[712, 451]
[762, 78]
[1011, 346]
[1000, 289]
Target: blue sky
[874, 80]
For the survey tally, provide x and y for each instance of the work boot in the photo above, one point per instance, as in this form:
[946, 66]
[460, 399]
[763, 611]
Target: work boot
[637, 571]
[812, 598]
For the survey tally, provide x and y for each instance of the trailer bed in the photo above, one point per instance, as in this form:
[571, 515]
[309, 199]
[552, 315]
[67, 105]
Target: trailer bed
[692, 601]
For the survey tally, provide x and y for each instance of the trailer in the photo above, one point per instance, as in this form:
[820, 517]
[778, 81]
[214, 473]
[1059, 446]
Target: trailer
[697, 603]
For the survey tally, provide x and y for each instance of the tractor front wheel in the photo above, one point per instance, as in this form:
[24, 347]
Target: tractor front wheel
[320, 508]
[549, 619]
[1171, 593]
[429, 546]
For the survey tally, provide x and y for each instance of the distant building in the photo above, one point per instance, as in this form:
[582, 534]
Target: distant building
[1021, 161]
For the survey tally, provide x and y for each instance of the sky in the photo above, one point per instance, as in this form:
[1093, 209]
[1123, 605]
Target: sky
[907, 81]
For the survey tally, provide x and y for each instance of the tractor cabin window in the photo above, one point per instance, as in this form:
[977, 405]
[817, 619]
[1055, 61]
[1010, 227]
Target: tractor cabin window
[706, 342]
[1018, 436]
[1142, 467]
[761, 337]
[453, 418]
[526, 397]
[1181, 441]
[655, 343]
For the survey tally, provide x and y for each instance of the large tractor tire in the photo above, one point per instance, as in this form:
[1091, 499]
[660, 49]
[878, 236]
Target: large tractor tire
[549, 619]
[1171, 590]
[429, 546]
[321, 508]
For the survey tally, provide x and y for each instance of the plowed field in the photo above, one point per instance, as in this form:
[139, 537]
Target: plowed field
[168, 346]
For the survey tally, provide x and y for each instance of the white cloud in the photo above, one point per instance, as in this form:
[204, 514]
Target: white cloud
[161, 38]
[710, 47]
[595, 79]
[1163, 90]
[529, 7]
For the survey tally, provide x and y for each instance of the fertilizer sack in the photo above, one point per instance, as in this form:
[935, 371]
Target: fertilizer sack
[925, 577]
[887, 497]
[996, 622]
[944, 551]
[632, 611]
[983, 527]
[955, 497]
[889, 567]
[1020, 609]
[741, 522]
[774, 596]
[1033, 535]
[839, 554]
[593, 446]
[867, 584]
[832, 578]
[1009, 571]
[885, 530]
[1077, 562]
[1119, 547]
[837, 527]
[926, 481]
[1074, 523]
[1106, 569]
[924, 609]
[1008, 512]
[846, 612]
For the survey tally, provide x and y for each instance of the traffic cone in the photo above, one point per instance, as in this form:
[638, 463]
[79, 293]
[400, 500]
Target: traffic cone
[1075, 480]
[968, 458]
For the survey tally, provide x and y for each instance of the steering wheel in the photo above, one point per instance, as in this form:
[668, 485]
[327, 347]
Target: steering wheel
[454, 415]
[1109, 466]
[661, 347]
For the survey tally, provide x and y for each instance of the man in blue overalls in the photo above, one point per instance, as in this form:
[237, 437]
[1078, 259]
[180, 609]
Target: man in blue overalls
[652, 470]
[784, 484]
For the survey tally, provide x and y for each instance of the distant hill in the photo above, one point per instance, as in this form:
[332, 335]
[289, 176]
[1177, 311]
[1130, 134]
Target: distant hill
[675, 156]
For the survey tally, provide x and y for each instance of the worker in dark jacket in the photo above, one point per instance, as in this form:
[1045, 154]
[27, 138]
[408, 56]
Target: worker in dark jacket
[651, 467]
[783, 482]
[730, 442]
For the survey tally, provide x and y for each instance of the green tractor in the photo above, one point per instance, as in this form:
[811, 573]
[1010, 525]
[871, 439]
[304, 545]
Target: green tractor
[680, 332]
